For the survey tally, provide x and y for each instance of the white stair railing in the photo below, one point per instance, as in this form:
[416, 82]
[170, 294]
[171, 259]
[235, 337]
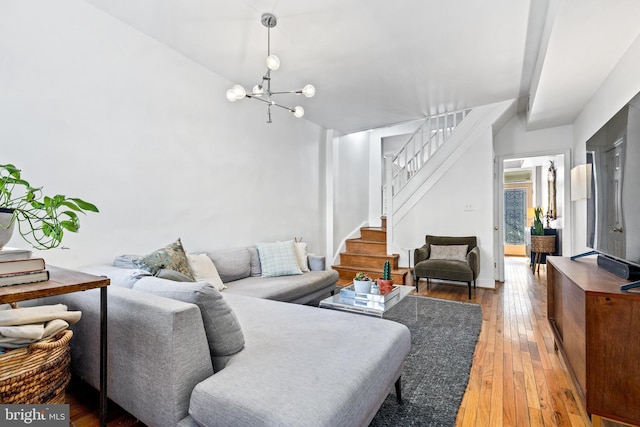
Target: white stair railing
[422, 145]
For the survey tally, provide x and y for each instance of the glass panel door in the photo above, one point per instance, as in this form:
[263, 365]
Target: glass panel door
[515, 218]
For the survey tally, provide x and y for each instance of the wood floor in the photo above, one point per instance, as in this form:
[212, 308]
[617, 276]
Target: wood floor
[517, 378]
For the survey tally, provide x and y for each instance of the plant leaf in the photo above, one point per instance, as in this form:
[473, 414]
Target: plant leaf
[85, 205]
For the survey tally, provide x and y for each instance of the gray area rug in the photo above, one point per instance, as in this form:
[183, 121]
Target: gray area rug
[443, 339]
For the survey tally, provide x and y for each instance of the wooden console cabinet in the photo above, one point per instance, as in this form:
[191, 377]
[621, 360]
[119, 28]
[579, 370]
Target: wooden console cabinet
[597, 330]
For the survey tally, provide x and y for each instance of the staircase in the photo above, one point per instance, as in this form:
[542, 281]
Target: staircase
[367, 254]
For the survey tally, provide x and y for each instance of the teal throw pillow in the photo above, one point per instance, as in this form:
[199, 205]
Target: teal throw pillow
[278, 259]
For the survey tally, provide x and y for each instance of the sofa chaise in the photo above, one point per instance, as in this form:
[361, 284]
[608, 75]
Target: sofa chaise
[299, 365]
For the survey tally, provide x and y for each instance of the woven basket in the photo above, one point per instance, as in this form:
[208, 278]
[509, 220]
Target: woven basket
[38, 374]
[543, 244]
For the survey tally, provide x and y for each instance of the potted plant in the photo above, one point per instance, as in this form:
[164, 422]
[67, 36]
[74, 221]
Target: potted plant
[540, 244]
[362, 283]
[538, 228]
[41, 219]
[385, 284]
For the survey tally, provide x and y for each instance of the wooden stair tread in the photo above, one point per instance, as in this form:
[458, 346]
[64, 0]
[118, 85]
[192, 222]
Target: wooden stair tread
[356, 269]
[367, 254]
[361, 240]
[370, 255]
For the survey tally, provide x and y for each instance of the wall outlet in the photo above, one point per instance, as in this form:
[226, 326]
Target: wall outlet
[468, 207]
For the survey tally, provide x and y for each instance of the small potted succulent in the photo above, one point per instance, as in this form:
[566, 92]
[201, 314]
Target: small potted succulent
[385, 284]
[41, 220]
[362, 283]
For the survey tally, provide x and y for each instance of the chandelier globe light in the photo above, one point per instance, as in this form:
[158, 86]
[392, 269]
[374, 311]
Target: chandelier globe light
[262, 91]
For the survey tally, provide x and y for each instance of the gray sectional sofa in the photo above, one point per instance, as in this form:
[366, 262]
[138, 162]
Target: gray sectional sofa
[300, 365]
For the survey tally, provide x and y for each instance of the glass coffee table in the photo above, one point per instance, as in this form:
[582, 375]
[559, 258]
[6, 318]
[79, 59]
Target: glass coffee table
[372, 305]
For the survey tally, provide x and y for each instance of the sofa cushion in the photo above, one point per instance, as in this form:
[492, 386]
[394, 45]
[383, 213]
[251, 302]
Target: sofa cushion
[285, 288]
[121, 277]
[256, 269]
[127, 261]
[445, 269]
[278, 259]
[452, 252]
[221, 325]
[232, 264]
[301, 347]
[204, 270]
[171, 256]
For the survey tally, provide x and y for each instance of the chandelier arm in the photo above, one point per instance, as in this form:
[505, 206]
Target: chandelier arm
[282, 106]
[288, 91]
[266, 101]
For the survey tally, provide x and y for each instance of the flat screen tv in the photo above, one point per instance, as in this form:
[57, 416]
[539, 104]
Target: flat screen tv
[613, 211]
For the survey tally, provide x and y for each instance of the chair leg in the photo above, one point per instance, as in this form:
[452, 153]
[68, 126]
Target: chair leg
[469, 285]
[417, 283]
[399, 390]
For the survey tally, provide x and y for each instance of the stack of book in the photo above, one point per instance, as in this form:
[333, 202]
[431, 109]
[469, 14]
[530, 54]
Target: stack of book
[17, 267]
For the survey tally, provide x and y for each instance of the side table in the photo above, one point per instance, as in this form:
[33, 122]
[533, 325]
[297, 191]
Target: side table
[409, 263]
[63, 281]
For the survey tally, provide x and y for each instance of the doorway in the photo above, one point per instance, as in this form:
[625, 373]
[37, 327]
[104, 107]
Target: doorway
[521, 184]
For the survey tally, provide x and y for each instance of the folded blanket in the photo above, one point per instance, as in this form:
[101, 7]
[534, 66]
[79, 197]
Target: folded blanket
[38, 314]
[21, 327]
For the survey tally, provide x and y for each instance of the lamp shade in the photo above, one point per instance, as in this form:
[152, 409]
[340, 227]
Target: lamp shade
[273, 62]
[309, 91]
[298, 111]
[257, 90]
[581, 182]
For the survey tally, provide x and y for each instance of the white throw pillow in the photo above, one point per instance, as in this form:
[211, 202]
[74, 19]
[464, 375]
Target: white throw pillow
[301, 255]
[204, 270]
[450, 252]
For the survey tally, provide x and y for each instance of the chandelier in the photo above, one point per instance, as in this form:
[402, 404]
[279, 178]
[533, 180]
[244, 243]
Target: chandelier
[262, 91]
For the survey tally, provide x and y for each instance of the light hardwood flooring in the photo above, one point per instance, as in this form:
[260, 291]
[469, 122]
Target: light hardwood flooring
[517, 378]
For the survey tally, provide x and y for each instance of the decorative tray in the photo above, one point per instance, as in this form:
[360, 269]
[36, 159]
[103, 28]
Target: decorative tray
[349, 292]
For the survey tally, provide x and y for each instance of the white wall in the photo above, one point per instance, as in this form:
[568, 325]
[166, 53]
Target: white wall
[94, 109]
[351, 187]
[441, 211]
[514, 139]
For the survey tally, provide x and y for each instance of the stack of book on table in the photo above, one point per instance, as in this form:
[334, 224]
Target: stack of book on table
[17, 267]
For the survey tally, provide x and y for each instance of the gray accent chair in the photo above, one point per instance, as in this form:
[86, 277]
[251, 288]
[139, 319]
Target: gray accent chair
[446, 269]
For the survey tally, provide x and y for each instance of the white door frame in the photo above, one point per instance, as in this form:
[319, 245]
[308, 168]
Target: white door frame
[567, 238]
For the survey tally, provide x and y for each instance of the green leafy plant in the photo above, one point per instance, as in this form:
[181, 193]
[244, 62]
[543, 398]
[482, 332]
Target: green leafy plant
[538, 228]
[41, 219]
[386, 271]
[362, 277]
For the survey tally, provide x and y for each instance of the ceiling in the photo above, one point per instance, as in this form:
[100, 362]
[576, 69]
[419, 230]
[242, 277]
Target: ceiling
[376, 62]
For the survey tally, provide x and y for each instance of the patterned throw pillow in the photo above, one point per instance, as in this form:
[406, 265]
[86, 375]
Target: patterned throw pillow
[176, 276]
[170, 257]
[450, 252]
[278, 259]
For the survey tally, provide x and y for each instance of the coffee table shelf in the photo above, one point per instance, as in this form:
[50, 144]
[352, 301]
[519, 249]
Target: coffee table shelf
[366, 306]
